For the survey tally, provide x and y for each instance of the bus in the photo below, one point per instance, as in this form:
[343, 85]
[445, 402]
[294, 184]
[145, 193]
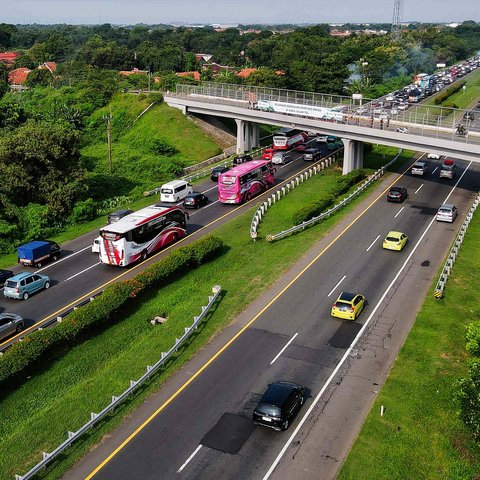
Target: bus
[286, 139]
[141, 233]
[243, 182]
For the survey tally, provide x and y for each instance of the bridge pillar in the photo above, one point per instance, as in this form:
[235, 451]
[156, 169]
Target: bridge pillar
[248, 135]
[352, 155]
[240, 135]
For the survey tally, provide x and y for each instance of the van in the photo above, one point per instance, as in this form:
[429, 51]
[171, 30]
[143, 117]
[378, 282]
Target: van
[175, 191]
[116, 216]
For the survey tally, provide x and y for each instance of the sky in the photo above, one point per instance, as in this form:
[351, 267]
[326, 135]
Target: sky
[231, 12]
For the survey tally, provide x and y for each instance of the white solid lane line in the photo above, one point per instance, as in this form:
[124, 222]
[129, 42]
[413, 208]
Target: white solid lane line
[63, 259]
[189, 458]
[419, 188]
[436, 168]
[371, 245]
[347, 354]
[83, 271]
[334, 288]
[398, 213]
[283, 349]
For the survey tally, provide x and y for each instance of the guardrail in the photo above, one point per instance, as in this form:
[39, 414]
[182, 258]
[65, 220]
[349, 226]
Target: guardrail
[208, 171]
[452, 256]
[312, 221]
[134, 384]
[53, 320]
[281, 192]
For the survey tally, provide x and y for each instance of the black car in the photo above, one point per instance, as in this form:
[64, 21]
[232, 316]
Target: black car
[312, 154]
[4, 275]
[217, 171]
[397, 194]
[195, 200]
[242, 159]
[118, 215]
[278, 405]
[469, 116]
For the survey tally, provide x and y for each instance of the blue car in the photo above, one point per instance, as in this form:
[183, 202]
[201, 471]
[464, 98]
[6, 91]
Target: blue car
[21, 286]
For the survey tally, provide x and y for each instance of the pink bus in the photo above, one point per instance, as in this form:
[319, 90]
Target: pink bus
[243, 182]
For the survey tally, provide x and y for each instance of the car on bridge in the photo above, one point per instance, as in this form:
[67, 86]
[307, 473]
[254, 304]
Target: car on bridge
[348, 306]
[395, 241]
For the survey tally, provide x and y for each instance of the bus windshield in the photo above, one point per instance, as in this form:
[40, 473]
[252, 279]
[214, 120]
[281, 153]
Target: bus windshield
[228, 180]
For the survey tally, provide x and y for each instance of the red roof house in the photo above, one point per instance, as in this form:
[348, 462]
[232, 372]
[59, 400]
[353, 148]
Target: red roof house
[18, 76]
[8, 58]
[50, 66]
[246, 72]
[194, 75]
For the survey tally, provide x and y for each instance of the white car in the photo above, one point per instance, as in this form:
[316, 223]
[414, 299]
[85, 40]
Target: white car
[435, 156]
[281, 158]
[446, 213]
[401, 130]
[96, 245]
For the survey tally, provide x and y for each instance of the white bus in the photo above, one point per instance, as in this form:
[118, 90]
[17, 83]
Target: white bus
[141, 233]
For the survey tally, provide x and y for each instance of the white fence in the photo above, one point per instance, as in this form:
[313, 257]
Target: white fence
[134, 384]
[312, 221]
[452, 256]
[280, 193]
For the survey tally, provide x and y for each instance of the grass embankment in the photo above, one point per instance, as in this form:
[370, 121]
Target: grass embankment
[420, 435]
[37, 415]
[280, 216]
[462, 99]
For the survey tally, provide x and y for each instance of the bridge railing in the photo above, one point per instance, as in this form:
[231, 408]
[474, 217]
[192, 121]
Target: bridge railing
[429, 121]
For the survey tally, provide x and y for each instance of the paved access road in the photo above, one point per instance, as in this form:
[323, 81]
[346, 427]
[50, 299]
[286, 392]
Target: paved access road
[200, 425]
[78, 274]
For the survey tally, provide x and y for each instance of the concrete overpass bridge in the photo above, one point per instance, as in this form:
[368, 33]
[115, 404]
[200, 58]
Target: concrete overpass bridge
[420, 128]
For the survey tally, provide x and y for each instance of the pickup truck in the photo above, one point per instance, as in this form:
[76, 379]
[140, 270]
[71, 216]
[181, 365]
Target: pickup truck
[38, 252]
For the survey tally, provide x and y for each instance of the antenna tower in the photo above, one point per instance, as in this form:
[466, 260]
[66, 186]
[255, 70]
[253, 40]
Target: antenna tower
[397, 19]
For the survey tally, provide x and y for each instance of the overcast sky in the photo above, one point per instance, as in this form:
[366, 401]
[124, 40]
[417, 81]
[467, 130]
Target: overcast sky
[232, 11]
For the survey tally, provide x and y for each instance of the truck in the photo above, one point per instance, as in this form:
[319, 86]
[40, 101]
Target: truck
[36, 253]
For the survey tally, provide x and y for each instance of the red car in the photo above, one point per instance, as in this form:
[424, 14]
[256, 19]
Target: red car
[301, 148]
[267, 154]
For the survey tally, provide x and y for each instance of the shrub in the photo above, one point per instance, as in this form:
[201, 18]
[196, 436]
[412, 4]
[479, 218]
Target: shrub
[441, 97]
[467, 397]
[472, 336]
[104, 309]
[83, 211]
[315, 208]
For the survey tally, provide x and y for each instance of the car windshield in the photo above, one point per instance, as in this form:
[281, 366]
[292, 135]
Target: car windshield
[10, 284]
[392, 239]
[445, 211]
[168, 191]
[418, 165]
[267, 409]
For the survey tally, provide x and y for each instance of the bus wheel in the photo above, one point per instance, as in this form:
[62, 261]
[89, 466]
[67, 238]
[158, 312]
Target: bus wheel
[143, 256]
[174, 238]
[248, 197]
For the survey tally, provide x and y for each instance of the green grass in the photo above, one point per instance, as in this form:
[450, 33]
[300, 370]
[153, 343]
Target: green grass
[463, 99]
[38, 413]
[421, 436]
[280, 216]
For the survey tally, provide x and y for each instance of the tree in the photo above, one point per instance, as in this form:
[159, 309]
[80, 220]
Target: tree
[265, 77]
[6, 33]
[39, 77]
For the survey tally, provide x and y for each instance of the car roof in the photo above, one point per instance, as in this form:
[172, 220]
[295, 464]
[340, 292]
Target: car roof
[277, 392]
[194, 194]
[20, 276]
[419, 163]
[347, 296]
[174, 183]
[447, 205]
[220, 167]
[397, 187]
[394, 233]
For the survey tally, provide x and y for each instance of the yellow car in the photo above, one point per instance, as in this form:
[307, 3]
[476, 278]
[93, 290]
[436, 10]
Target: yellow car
[348, 305]
[395, 241]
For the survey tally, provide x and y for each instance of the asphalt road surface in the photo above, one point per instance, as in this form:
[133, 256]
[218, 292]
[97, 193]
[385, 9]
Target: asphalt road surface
[79, 274]
[199, 425]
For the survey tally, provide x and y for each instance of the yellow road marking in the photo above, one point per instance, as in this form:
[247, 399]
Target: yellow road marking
[100, 287]
[232, 340]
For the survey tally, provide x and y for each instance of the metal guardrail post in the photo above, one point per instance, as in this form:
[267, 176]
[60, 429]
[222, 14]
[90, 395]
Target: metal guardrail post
[96, 417]
[439, 291]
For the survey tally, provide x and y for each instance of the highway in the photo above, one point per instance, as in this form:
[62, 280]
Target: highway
[202, 428]
[78, 273]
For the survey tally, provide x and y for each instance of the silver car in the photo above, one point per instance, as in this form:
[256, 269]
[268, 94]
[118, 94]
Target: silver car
[419, 168]
[447, 213]
[10, 323]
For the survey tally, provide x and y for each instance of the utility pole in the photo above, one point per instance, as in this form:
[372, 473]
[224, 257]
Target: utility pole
[108, 121]
[397, 20]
